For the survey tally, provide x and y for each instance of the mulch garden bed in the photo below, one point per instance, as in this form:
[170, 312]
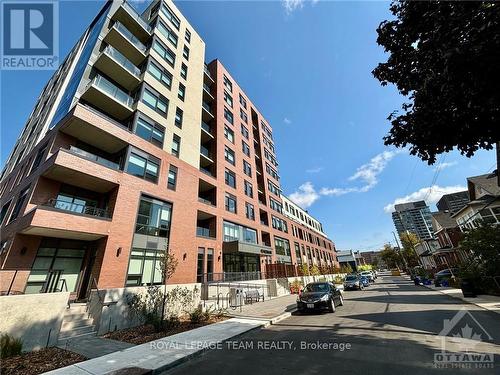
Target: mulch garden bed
[40, 361]
[146, 333]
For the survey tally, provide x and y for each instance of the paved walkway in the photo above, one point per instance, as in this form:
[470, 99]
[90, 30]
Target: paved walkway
[164, 353]
[269, 309]
[93, 346]
[491, 303]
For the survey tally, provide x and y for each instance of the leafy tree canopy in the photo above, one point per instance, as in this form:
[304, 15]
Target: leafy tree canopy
[444, 56]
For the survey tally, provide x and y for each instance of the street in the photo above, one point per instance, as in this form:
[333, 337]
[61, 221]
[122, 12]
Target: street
[391, 327]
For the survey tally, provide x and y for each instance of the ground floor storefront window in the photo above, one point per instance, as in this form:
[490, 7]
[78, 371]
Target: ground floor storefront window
[145, 267]
[241, 263]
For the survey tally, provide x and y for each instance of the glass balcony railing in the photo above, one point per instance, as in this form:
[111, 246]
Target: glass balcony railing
[131, 37]
[112, 90]
[203, 232]
[207, 108]
[122, 60]
[207, 88]
[135, 15]
[92, 157]
[205, 152]
[77, 208]
[206, 127]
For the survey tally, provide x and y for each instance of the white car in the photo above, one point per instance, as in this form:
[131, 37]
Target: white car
[369, 275]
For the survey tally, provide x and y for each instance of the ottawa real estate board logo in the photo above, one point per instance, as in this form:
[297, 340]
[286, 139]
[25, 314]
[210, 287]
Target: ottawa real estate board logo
[464, 343]
[30, 35]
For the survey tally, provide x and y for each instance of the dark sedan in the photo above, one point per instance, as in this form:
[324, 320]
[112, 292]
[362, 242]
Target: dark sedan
[319, 296]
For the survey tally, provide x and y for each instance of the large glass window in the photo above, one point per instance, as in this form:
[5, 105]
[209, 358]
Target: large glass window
[229, 134]
[21, 199]
[150, 131]
[168, 33]
[153, 217]
[155, 102]
[235, 232]
[169, 14]
[5, 208]
[230, 203]
[230, 178]
[229, 155]
[281, 246]
[145, 267]
[248, 189]
[164, 52]
[228, 115]
[143, 166]
[162, 75]
[200, 264]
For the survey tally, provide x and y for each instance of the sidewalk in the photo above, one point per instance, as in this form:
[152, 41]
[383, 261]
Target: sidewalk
[279, 307]
[93, 346]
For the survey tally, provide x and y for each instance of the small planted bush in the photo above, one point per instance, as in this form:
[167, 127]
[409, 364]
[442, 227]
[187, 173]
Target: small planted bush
[10, 346]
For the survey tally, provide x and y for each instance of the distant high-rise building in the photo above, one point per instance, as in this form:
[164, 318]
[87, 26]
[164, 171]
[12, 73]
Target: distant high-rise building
[413, 217]
[453, 202]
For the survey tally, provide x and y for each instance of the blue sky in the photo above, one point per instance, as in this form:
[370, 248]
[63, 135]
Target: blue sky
[307, 67]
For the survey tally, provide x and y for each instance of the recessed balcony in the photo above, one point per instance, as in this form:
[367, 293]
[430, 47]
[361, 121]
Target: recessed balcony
[129, 17]
[115, 65]
[206, 157]
[108, 97]
[206, 225]
[207, 193]
[207, 114]
[130, 46]
[207, 93]
[206, 132]
[207, 76]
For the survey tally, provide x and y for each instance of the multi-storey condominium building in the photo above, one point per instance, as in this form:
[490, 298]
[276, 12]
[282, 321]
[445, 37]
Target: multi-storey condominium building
[135, 147]
[453, 202]
[413, 217]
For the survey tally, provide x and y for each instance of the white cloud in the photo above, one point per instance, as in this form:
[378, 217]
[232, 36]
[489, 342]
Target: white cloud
[292, 5]
[305, 195]
[287, 121]
[337, 191]
[442, 166]
[430, 194]
[368, 173]
[314, 170]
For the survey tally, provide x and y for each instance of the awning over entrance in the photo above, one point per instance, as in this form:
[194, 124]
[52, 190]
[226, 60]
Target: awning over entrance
[246, 247]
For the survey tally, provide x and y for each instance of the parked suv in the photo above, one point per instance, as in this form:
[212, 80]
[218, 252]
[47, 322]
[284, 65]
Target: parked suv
[319, 296]
[352, 282]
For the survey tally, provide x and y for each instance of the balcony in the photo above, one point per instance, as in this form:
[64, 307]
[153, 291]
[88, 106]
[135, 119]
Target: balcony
[115, 65]
[89, 156]
[206, 132]
[122, 38]
[206, 225]
[207, 193]
[207, 77]
[206, 156]
[207, 93]
[108, 97]
[207, 114]
[78, 208]
[129, 17]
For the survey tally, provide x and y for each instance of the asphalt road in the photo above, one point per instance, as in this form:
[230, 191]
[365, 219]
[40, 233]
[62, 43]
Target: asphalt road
[392, 327]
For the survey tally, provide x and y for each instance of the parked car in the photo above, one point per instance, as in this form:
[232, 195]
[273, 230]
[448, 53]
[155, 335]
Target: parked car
[368, 275]
[352, 282]
[365, 281]
[444, 276]
[319, 296]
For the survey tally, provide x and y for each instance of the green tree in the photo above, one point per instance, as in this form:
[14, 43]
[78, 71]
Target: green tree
[167, 265]
[443, 57]
[409, 240]
[390, 256]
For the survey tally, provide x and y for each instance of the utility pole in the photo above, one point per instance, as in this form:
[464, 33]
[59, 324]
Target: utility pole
[400, 250]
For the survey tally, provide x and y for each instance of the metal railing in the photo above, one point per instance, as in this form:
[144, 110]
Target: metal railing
[207, 108]
[203, 232]
[207, 88]
[135, 15]
[122, 60]
[207, 172]
[112, 90]
[151, 230]
[92, 157]
[77, 208]
[205, 152]
[206, 201]
[131, 37]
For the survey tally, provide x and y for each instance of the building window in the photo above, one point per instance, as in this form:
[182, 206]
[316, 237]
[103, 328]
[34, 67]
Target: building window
[230, 202]
[172, 177]
[167, 33]
[229, 155]
[245, 148]
[247, 168]
[228, 84]
[150, 131]
[229, 134]
[228, 99]
[230, 178]
[235, 232]
[39, 156]
[184, 71]
[187, 36]
[279, 224]
[179, 115]
[244, 131]
[275, 189]
[275, 205]
[143, 166]
[160, 74]
[281, 246]
[3, 213]
[249, 211]
[21, 199]
[200, 263]
[154, 217]
[248, 189]
[228, 115]
[156, 102]
[272, 172]
[185, 52]
[243, 102]
[169, 14]
[243, 116]
[176, 145]
[182, 92]
[164, 52]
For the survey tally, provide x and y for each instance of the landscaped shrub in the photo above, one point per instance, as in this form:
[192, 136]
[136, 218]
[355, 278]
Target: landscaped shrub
[10, 346]
[295, 286]
[199, 316]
